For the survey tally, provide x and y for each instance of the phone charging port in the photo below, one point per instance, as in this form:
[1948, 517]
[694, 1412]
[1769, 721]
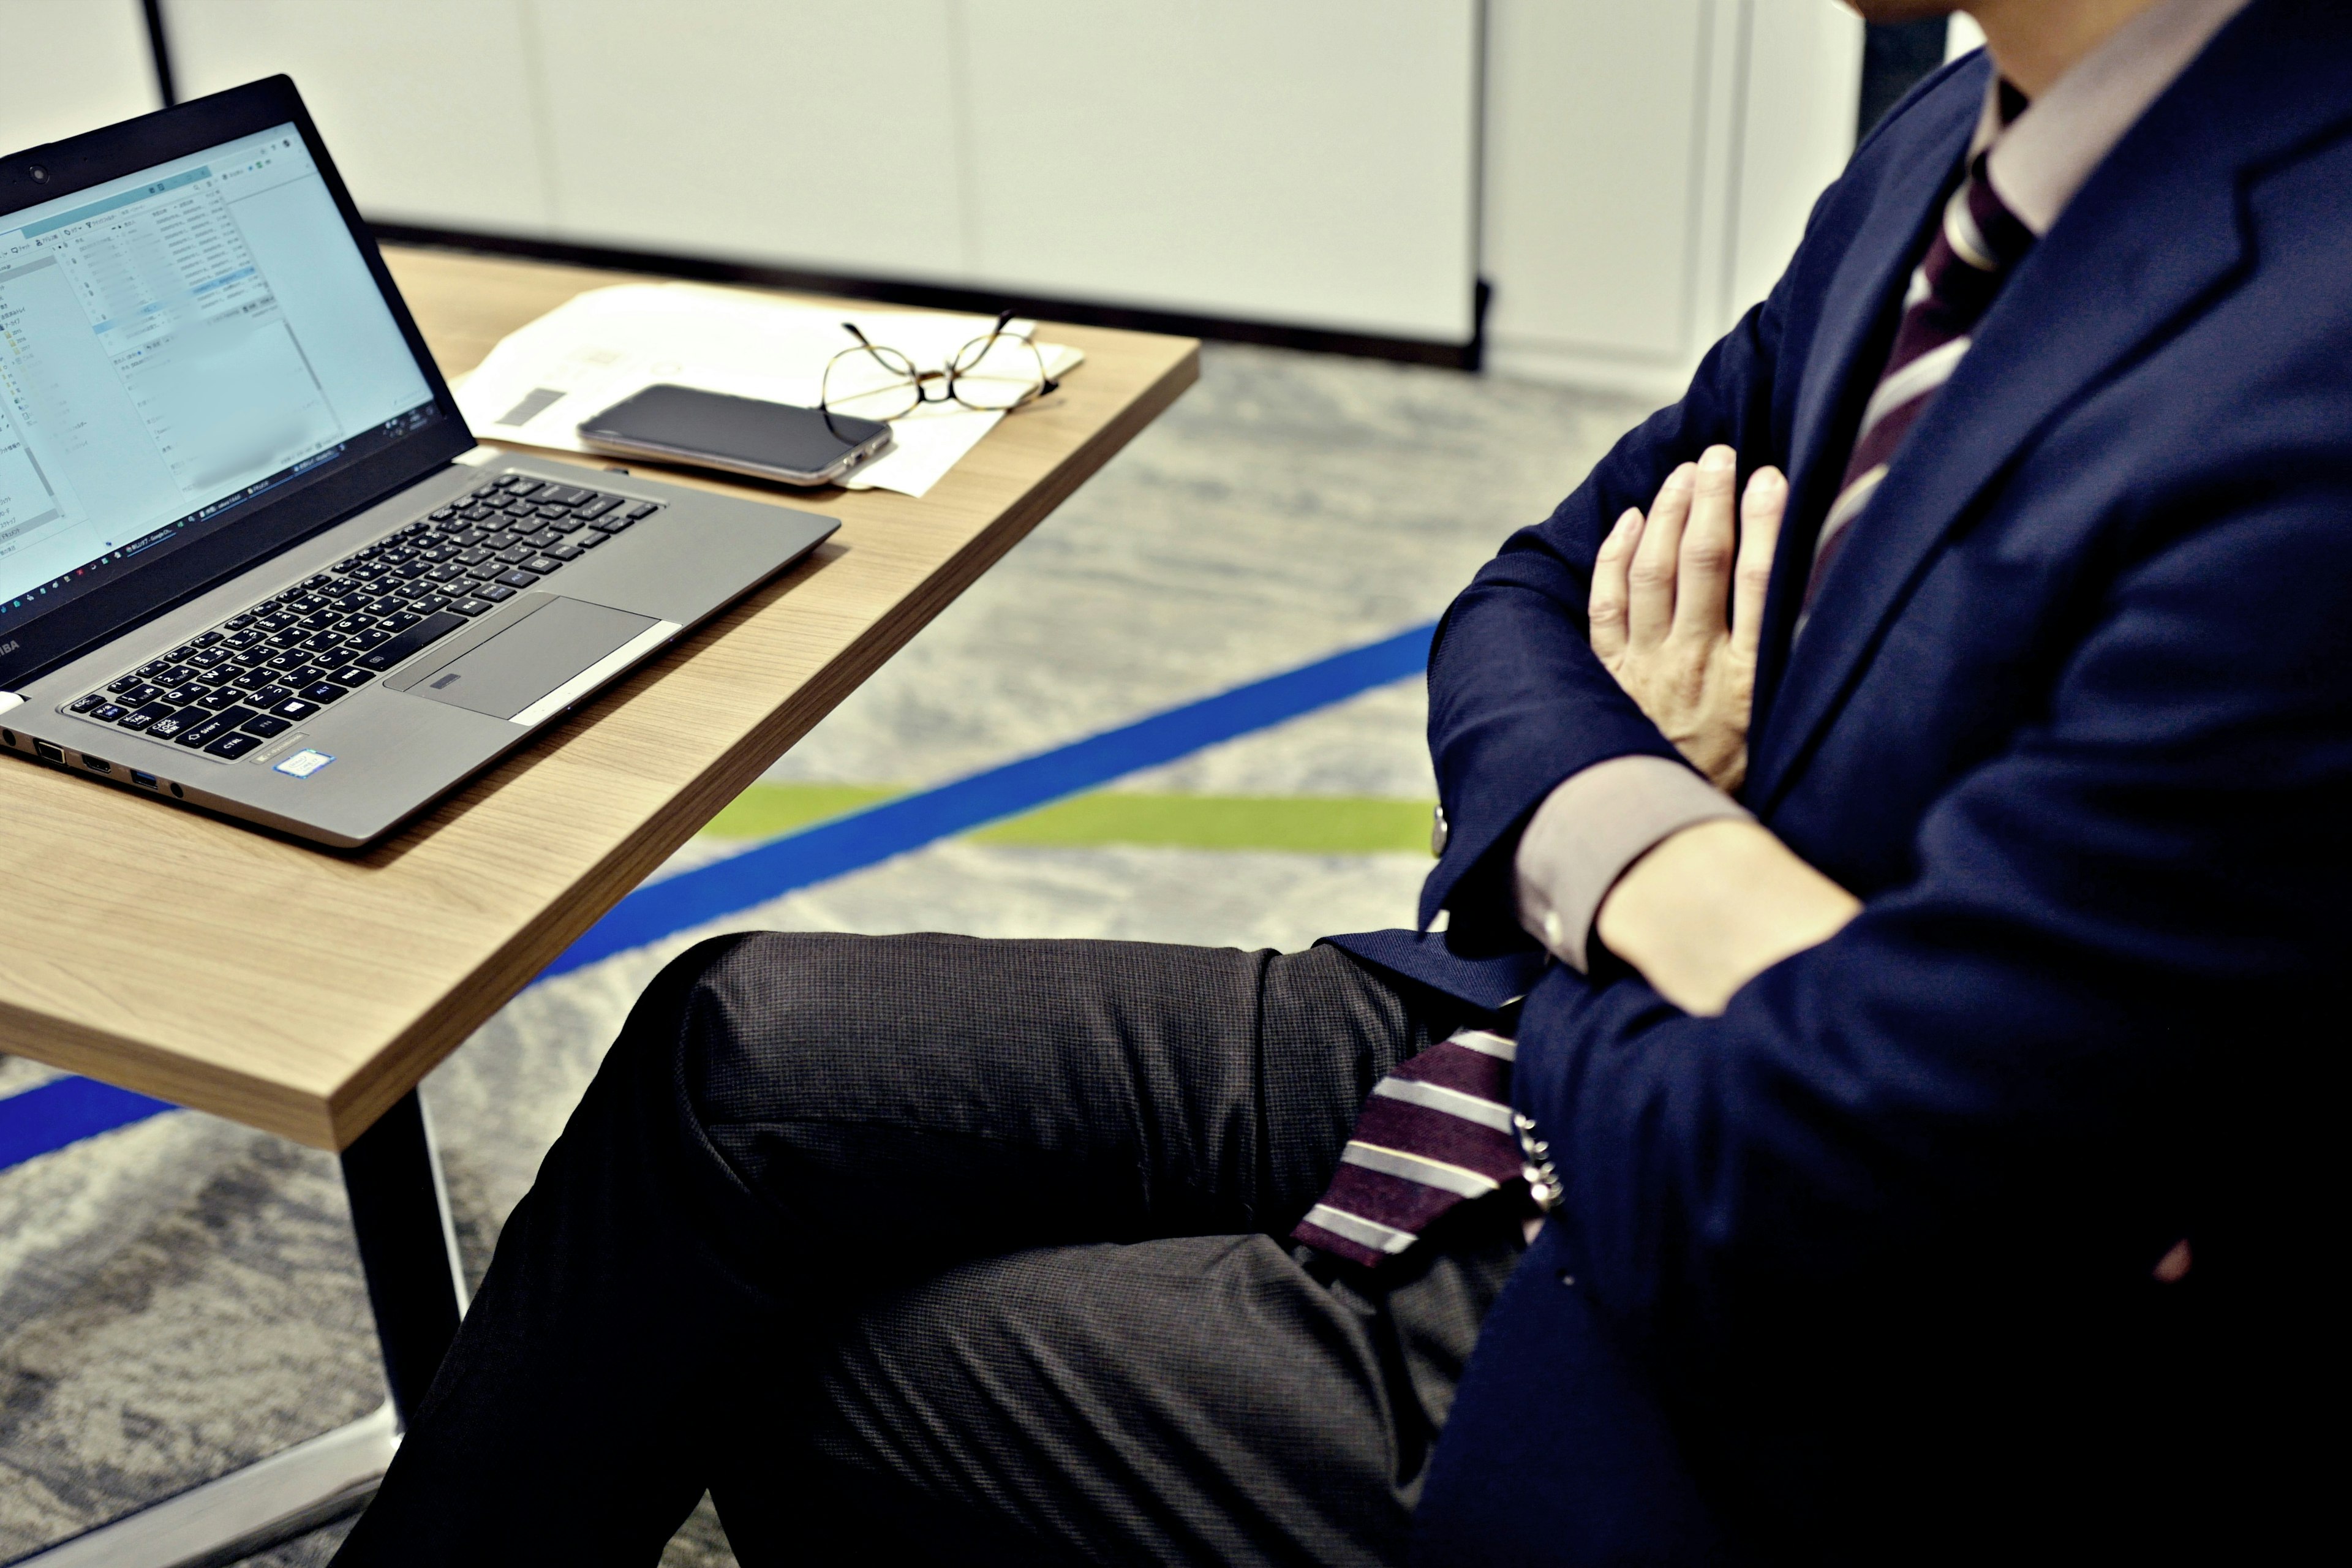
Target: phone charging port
[96, 764]
[49, 754]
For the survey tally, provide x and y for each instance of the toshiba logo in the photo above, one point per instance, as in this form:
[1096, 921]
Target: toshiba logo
[11, 646]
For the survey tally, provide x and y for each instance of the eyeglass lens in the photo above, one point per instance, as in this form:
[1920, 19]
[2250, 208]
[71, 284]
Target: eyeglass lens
[871, 383]
[998, 370]
[1001, 370]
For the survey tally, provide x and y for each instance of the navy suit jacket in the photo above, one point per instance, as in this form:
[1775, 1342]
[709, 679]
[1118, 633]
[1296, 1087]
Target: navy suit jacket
[1862, 1267]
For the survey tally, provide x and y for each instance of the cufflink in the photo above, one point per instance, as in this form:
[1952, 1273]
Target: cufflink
[1437, 832]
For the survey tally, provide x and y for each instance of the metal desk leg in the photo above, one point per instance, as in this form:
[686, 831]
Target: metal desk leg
[408, 1248]
[400, 1209]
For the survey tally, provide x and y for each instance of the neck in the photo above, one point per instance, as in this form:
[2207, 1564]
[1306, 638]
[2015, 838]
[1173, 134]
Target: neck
[2035, 42]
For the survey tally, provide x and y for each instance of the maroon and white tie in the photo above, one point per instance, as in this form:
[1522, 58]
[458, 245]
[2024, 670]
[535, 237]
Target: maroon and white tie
[1977, 243]
[1435, 1131]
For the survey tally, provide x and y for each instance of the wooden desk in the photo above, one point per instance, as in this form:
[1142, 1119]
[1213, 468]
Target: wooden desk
[304, 991]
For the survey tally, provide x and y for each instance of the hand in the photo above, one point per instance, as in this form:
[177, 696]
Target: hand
[1658, 607]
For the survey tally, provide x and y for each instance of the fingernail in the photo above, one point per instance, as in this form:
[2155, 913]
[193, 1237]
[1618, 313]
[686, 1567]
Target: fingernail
[1683, 475]
[1627, 519]
[1716, 459]
[1766, 479]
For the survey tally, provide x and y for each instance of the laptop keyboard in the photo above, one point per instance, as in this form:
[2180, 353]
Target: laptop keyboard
[280, 660]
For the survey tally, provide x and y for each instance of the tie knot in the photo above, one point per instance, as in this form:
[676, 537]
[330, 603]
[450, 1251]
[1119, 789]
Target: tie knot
[1981, 230]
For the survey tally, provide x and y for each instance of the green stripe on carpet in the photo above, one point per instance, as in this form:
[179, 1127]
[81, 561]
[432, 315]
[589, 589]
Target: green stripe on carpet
[772, 810]
[1316, 824]
[1312, 825]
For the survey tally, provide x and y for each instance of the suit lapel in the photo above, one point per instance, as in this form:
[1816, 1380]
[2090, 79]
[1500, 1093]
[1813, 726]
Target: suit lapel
[1836, 381]
[2155, 230]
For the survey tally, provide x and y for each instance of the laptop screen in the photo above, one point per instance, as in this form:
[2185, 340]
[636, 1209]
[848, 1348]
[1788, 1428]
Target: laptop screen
[176, 345]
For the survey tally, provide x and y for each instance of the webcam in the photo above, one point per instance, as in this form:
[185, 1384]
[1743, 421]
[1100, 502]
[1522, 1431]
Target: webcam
[40, 173]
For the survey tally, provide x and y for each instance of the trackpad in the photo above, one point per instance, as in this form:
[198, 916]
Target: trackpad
[531, 658]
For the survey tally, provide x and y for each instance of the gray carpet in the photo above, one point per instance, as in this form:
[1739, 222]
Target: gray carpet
[181, 1296]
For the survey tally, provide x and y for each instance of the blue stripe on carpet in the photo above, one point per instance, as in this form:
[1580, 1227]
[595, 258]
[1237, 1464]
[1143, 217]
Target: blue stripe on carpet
[865, 838]
[67, 1110]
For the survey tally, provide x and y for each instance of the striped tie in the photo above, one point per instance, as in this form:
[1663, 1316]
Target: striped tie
[1436, 1130]
[1976, 246]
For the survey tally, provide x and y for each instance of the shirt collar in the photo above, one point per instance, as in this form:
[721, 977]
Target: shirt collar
[2041, 158]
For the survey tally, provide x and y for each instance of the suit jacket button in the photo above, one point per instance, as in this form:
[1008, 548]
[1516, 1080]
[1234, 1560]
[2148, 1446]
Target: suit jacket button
[1437, 832]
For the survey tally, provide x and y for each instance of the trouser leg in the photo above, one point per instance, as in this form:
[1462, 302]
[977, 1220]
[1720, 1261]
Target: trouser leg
[1210, 1399]
[564, 1420]
[789, 1126]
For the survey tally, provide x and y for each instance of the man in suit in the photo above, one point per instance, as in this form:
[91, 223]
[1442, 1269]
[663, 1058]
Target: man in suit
[1887, 908]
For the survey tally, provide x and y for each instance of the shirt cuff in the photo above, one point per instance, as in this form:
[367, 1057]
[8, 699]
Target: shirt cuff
[1591, 828]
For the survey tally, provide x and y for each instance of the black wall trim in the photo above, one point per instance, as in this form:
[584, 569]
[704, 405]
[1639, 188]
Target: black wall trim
[1091, 313]
[159, 46]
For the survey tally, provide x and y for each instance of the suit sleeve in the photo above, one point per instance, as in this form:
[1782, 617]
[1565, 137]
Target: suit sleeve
[1518, 701]
[2021, 1065]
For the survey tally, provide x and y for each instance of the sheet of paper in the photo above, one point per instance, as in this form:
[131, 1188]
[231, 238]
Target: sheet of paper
[600, 347]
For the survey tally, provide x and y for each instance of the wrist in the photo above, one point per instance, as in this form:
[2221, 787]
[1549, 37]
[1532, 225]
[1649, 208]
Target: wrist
[1589, 829]
[1711, 907]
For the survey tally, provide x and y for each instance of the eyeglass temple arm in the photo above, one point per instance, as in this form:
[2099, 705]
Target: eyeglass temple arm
[1003, 317]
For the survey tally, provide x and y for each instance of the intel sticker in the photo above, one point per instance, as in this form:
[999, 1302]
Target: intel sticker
[302, 764]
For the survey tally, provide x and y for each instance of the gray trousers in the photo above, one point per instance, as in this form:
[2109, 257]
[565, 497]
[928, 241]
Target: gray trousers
[930, 1244]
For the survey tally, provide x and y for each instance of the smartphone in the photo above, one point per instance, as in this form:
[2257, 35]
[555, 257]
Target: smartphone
[741, 435]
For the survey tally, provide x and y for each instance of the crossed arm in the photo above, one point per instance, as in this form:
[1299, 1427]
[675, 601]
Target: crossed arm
[1676, 604]
[1674, 615]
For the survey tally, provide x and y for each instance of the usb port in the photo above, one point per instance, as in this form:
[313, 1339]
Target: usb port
[49, 754]
[139, 778]
[96, 764]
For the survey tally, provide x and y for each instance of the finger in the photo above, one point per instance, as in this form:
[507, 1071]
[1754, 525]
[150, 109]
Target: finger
[1761, 512]
[1703, 569]
[1605, 610]
[1650, 580]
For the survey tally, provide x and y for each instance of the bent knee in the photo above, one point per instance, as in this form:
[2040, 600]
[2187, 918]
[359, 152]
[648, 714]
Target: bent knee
[782, 1027]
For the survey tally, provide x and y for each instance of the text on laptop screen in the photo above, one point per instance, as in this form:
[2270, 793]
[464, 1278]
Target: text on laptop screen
[174, 345]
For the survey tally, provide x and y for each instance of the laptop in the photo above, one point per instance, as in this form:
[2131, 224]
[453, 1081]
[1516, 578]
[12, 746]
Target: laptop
[251, 560]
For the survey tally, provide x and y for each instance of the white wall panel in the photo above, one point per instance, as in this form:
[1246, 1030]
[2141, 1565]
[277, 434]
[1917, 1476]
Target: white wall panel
[1649, 170]
[1594, 116]
[1804, 71]
[1305, 161]
[429, 107]
[787, 131]
[77, 64]
[1648, 165]
[1310, 161]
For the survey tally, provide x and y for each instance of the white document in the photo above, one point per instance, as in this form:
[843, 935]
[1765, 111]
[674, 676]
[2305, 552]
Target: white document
[592, 351]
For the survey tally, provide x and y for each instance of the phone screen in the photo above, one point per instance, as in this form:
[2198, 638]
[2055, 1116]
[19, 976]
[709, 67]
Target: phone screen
[733, 430]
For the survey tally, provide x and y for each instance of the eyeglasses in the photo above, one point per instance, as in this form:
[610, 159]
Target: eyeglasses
[994, 373]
